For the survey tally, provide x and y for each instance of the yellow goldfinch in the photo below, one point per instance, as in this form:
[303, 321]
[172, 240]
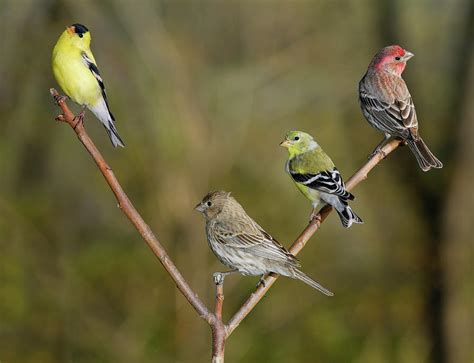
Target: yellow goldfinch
[75, 70]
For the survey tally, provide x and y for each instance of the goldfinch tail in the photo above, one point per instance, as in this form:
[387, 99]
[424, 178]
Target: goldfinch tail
[102, 112]
[348, 216]
[113, 135]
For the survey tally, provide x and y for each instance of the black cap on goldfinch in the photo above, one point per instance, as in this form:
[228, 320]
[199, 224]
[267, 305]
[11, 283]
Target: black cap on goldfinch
[78, 29]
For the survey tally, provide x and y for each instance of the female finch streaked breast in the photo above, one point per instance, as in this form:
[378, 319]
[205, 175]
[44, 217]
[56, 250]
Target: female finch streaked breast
[316, 177]
[387, 104]
[241, 244]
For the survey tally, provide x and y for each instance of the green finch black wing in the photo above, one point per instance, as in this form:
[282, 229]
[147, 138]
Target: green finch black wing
[329, 181]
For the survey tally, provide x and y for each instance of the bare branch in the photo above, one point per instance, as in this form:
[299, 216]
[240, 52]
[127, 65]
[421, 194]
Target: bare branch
[220, 331]
[129, 210]
[308, 232]
[218, 328]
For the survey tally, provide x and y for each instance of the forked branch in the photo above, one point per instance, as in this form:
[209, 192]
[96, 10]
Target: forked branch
[220, 331]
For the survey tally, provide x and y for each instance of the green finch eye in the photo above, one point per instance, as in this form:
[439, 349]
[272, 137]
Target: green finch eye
[296, 138]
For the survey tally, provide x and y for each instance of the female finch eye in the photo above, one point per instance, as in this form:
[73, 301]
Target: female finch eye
[209, 204]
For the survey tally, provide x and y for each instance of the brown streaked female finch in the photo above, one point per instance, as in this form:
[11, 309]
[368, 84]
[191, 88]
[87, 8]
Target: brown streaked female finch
[387, 104]
[241, 244]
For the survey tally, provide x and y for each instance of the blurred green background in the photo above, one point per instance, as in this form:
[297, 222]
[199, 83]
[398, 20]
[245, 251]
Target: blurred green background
[203, 92]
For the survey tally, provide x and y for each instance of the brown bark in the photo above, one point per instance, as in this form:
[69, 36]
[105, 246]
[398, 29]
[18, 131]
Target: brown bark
[220, 331]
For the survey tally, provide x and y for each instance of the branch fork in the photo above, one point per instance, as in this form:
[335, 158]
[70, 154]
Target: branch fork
[220, 331]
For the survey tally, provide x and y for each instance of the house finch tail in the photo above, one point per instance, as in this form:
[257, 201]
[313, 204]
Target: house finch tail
[423, 155]
[297, 274]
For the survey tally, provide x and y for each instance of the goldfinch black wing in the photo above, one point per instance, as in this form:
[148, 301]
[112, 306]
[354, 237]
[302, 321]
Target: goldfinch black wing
[95, 72]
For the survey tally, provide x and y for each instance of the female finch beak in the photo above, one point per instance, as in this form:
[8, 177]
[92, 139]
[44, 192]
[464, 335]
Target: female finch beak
[285, 143]
[199, 207]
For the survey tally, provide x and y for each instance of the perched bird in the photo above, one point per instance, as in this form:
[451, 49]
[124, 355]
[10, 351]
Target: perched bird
[387, 104]
[75, 70]
[316, 177]
[241, 244]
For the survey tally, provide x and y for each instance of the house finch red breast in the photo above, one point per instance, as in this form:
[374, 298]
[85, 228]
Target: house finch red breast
[387, 104]
[241, 244]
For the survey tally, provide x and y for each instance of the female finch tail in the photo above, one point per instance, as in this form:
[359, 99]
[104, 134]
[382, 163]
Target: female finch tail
[297, 274]
[423, 155]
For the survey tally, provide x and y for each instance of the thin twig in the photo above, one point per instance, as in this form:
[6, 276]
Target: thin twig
[303, 238]
[129, 210]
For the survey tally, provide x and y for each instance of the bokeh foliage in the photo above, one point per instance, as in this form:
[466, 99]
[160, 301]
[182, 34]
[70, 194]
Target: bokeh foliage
[203, 91]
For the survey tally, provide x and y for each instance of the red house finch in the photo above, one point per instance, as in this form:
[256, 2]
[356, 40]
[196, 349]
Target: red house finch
[387, 105]
[241, 244]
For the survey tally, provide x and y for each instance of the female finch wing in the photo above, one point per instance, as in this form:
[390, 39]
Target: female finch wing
[395, 116]
[257, 242]
[329, 181]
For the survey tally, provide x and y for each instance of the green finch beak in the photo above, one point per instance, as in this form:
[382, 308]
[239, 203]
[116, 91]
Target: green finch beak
[199, 207]
[285, 143]
[407, 55]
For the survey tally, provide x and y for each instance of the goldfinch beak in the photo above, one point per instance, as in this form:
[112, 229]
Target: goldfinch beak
[407, 55]
[199, 207]
[71, 30]
[285, 143]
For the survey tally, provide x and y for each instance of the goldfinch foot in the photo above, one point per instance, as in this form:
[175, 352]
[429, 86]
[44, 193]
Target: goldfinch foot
[60, 98]
[315, 217]
[79, 118]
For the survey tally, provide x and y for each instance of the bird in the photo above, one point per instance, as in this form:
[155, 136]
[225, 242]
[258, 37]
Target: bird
[242, 245]
[388, 106]
[315, 175]
[75, 70]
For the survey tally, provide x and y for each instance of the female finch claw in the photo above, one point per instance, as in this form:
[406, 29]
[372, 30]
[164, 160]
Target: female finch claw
[218, 278]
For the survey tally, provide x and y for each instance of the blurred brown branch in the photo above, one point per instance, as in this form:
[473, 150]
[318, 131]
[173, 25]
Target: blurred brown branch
[220, 331]
[127, 207]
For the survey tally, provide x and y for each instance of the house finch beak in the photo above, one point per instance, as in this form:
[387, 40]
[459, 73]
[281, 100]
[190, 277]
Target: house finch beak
[387, 104]
[241, 244]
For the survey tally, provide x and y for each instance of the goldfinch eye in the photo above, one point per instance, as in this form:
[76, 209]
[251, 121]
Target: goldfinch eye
[296, 138]
[80, 35]
[398, 58]
[208, 204]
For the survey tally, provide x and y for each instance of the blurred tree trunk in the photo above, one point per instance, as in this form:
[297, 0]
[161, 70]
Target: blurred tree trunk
[432, 258]
[456, 230]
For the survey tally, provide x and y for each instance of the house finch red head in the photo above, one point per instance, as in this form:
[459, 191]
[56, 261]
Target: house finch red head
[241, 244]
[387, 104]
